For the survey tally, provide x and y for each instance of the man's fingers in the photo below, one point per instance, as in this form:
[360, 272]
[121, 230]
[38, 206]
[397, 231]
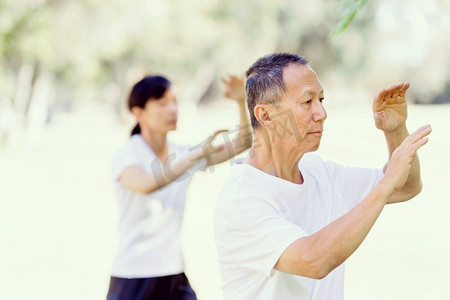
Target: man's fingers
[403, 89]
[407, 150]
[390, 92]
[418, 136]
[381, 95]
[412, 149]
[421, 142]
[421, 132]
[396, 90]
[378, 101]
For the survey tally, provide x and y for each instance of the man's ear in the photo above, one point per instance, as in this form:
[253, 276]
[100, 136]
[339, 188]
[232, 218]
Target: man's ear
[262, 114]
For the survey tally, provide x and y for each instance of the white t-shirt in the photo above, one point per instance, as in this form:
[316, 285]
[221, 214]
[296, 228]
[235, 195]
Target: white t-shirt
[259, 215]
[149, 244]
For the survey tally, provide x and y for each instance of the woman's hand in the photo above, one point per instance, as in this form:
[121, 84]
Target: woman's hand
[234, 88]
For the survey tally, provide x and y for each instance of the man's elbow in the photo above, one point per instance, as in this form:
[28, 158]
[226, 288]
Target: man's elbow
[317, 267]
[308, 259]
[319, 274]
[322, 270]
[413, 190]
[417, 189]
[407, 193]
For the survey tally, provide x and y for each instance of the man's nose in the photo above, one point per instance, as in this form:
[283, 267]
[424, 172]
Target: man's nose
[320, 114]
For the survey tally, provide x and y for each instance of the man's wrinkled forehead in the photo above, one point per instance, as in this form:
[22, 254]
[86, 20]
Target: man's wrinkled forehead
[302, 78]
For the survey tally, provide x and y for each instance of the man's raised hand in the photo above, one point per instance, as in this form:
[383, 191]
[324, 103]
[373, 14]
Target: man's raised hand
[389, 107]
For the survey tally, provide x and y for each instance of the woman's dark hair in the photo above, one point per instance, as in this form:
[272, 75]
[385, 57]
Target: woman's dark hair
[149, 88]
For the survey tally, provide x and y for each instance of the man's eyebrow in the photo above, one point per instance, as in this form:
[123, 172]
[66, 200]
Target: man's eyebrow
[310, 92]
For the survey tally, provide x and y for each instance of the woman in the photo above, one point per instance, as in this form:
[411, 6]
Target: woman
[151, 177]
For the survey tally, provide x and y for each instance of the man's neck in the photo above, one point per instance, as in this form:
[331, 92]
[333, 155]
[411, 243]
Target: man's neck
[275, 160]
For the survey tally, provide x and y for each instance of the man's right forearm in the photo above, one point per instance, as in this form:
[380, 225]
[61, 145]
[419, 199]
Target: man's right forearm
[346, 233]
[317, 255]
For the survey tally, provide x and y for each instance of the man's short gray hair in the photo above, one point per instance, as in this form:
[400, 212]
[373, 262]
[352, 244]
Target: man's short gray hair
[265, 82]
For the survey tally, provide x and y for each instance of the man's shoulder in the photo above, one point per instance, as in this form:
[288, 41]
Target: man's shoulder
[242, 184]
[239, 183]
[314, 164]
[311, 158]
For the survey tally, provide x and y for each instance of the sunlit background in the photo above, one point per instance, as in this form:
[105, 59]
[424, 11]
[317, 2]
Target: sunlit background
[67, 66]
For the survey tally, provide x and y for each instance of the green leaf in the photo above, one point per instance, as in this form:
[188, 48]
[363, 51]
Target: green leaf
[354, 6]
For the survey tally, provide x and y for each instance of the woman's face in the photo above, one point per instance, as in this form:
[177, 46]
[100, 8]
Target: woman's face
[160, 115]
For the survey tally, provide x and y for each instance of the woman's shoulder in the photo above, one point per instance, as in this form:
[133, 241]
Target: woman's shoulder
[133, 147]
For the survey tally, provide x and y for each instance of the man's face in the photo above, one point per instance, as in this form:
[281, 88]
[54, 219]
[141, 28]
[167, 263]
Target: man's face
[300, 111]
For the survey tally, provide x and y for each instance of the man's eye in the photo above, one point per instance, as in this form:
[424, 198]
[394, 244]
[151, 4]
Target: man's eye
[321, 100]
[309, 101]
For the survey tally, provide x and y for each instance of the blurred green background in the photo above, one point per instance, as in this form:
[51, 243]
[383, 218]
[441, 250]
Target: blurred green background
[66, 68]
[56, 54]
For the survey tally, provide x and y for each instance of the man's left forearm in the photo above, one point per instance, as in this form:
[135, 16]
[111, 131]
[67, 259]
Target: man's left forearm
[413, 184]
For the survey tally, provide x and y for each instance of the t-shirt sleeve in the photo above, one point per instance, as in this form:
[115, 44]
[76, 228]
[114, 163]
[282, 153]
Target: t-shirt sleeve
[258, 234]
[122, 159]
[353, 184]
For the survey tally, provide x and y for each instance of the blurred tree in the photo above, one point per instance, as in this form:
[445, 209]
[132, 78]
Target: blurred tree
[20, 36]
[94, 50]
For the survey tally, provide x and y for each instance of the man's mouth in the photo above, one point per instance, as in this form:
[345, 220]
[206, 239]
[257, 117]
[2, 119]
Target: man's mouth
[316, 132]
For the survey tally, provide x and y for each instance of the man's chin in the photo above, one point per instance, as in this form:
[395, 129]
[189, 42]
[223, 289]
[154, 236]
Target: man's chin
[315, 148]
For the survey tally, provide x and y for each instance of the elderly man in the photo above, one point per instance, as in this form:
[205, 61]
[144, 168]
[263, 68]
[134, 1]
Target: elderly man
[286, 220]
